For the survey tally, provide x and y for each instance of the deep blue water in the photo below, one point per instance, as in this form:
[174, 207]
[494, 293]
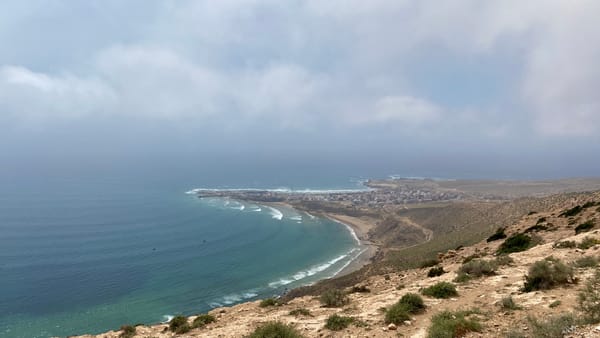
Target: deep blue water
[91, 254]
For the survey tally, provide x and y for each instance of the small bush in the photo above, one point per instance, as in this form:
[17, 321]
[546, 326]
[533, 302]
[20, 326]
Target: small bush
[584, 227]
[478, 268]
[413, 302]
[589, 299]
[571, 212]
[202, 320]
[448, 324]
[499, 234]
[553, 327]
[554, 304]
[387, 277]
[531, 213]
[397, 314]
[515, 243]
[275, 330]
[128, 331]
[268, 302]
[429, 263]
[565, 245]
[535, 228]
[334, 298]
[587, 262]
[503, 260]
[440, 290]
[547, 274]
[359, 289]
[400, 286]
[435, 271]
[588, 242]
[301, 312]
[541, 220]
[590, 204]
[470, 258]
[462, 277]
[179, 324]
[508, 303]
[337, 323]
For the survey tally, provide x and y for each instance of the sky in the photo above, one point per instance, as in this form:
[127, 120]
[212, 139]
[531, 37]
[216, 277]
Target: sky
[448, 87]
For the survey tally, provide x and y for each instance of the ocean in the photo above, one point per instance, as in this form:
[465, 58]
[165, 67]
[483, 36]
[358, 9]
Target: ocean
[91, 254]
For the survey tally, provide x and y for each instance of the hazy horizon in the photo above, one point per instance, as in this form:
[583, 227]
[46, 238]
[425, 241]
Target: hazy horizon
[500, 89]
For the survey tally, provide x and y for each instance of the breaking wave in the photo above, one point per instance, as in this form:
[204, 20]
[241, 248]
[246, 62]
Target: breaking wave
[276, 214]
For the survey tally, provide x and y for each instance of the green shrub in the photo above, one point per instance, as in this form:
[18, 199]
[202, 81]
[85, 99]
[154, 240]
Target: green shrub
[429, 263]
[128, 331]
[587, 242]
[571, 212]
[590, 204]
[179, 324]
[589, 299]
[410, 303]
[334, 298]
[478, 268]
[448, 324]
[202, 320]
[508, 303]
[586, 262]
[337, 323]
[547, 274]
[503, 260]
[397, 313]
[462, 277]
[553, 327]
[436, 271]
[565, 245]
[541, 220]
[499, 234]
[413, 302]
[584, 227]
[470, 258]
[359, 289]
[440, 290]
[275, 330]
[400, 286]
[300, 312]
[554, 304]
[515, 243]
[268, 302]
[535, 228]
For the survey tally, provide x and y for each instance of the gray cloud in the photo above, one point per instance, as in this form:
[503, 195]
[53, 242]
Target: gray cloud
[341, 68]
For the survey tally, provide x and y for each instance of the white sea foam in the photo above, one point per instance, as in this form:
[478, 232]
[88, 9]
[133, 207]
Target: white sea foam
[296, 218]
[280, 190]
[276, 214]
[257, 210]
[167, 318]
[311, 216]
[348, 262]
[307, 273]
[352, 232]
[234, 298]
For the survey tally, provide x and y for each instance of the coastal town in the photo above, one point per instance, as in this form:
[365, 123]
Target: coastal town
[375, 195]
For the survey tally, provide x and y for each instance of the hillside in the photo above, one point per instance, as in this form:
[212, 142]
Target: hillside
[557, 245]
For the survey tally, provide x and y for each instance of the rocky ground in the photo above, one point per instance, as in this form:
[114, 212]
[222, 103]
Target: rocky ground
[484, 295]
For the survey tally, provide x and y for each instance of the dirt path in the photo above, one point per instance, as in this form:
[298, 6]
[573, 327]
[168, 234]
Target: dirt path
[428, 233]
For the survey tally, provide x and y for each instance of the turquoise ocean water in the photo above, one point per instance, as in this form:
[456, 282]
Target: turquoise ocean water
[89, 255]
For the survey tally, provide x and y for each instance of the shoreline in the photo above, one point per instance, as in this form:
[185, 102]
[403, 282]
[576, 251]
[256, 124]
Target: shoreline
[358, 228]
